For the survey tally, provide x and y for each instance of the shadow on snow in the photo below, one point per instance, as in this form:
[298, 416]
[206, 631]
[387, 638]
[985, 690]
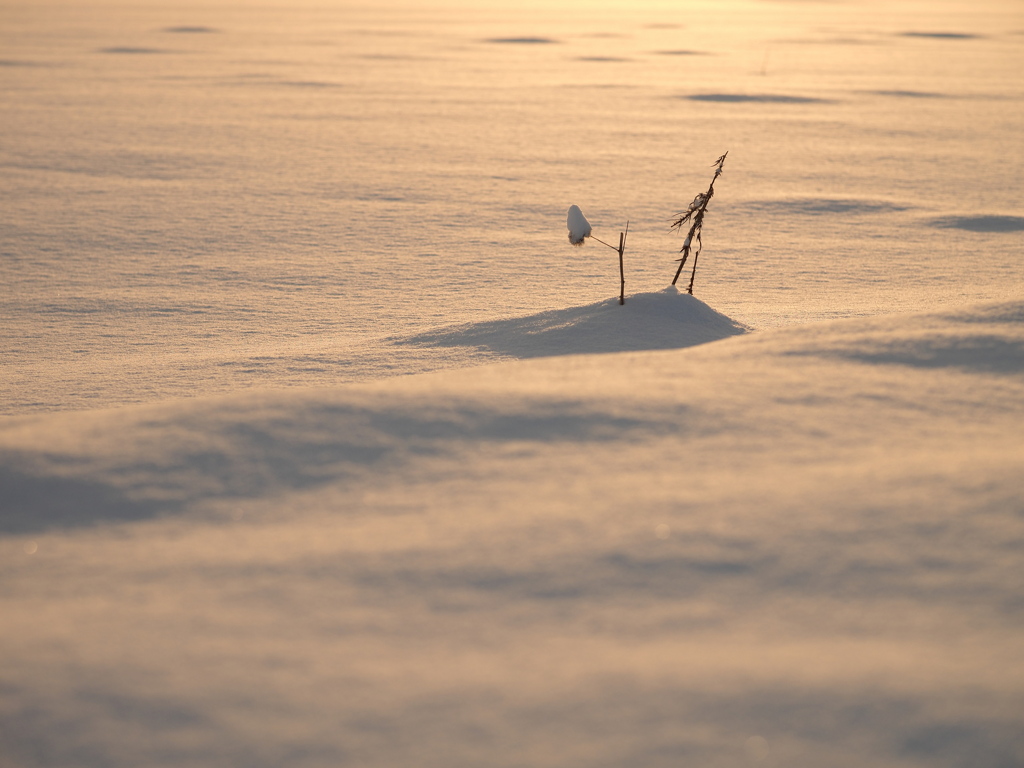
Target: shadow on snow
[664, 320]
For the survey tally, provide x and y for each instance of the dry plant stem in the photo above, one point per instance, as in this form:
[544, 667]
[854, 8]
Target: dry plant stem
[682, 263]
[696, 217]
[693, 274]
[622, 270]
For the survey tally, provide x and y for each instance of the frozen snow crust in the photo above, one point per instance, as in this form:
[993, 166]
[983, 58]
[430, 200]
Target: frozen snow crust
[799, 547]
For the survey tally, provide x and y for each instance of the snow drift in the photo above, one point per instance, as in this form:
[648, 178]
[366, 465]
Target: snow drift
[666, 319]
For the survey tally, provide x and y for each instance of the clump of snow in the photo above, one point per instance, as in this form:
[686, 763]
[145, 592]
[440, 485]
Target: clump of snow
[579, 227]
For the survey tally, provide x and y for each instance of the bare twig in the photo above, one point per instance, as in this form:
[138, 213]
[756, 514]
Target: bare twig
[694, 216]
[602, 242]
[621, 249]
[622, 271]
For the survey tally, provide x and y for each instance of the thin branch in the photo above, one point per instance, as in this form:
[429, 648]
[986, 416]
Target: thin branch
[602, 242]
[622, 270]
[693, 274]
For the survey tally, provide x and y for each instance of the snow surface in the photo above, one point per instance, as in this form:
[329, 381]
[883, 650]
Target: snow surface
[319, 448]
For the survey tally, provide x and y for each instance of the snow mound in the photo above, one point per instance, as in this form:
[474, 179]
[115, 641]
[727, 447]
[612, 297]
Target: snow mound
[665, 319]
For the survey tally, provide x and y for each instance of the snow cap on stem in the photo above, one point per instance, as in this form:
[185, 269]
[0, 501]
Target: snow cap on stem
[579, 227]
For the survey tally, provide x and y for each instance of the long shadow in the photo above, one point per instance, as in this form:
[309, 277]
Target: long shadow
[191, 30]
[943, 35]
[983, 354]
[909, 94]
[131, 50]
[249, 455]
[825, 206]
[973, 352]
[988, 223]
[33, 503]
[755, 98]
[521, 40]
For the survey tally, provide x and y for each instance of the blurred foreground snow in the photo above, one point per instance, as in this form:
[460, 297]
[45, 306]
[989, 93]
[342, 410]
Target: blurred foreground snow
[798, 547]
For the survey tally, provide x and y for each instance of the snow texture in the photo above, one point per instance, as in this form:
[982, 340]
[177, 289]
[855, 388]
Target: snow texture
[318, 448]
[579, 227]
